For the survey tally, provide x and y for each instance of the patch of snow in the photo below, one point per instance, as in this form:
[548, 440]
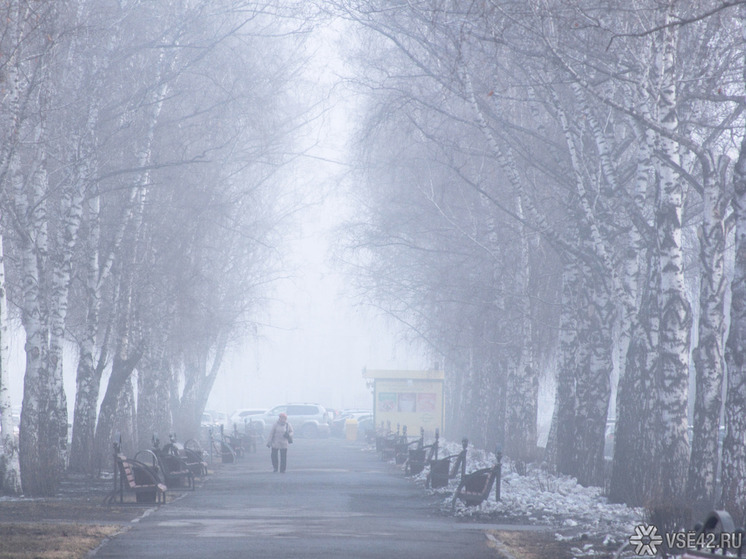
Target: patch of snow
[545, 499]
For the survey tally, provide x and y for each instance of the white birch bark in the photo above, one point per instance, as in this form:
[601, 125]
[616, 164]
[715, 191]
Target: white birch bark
[560, 446]
[83, 165]
[12, 84]
[733, 475]
[670, 470]
[633, 245]
[639, 344]
[595, 324]
[37, 460]
[11, 482]
[72, 206]
[154, 414]
[125, 360]
[634, 440]
[708, 355]
[522, 384]
[88, 376]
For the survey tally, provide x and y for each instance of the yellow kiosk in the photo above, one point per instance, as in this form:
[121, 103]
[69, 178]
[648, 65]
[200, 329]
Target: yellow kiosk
[411, 398]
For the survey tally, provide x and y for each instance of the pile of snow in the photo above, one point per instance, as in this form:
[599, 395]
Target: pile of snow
[541, 498]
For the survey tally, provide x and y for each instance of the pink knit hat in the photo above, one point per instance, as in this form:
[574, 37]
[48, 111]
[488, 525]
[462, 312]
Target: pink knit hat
[283, 416]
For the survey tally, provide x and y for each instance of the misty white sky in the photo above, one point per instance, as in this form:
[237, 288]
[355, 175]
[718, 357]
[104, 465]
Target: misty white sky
[316, 346]
[318, 341]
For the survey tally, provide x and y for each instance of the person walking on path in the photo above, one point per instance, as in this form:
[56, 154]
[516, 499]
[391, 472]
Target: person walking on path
[280, 438]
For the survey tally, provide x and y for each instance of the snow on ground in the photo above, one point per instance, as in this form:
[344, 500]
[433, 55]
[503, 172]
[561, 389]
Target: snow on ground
[541, 498]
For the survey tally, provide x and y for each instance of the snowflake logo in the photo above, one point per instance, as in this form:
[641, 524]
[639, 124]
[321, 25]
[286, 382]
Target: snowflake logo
[646, 540]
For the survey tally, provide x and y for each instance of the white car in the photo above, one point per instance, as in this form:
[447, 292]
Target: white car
[308, 420]
[238, 416]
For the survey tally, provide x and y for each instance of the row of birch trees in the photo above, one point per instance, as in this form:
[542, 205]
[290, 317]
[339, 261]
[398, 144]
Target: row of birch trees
[557, 188]
[140, 215]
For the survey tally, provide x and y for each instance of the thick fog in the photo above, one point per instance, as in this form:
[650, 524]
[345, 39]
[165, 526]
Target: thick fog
[315, 341]
[312, 338]
[315, 337]
[222, 204]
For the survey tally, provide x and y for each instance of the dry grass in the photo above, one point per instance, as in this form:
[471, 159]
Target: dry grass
[64, 527]
[51, 541]
[538, 545]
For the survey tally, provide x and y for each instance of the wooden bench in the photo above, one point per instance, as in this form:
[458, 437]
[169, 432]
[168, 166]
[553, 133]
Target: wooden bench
[441, 470]
[236, 443]
[401, 447]
[475, 487]
[386, 446]
[138, 478]
[194, 457]
[174, 467]
[422, 455]
[386, 442]
[253, 435]
[220, 447]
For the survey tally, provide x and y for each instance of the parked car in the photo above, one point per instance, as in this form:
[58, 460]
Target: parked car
[207, 419]
[219, 417]
[308, 420]
[338, 425]
[237, 417]
[333, 413]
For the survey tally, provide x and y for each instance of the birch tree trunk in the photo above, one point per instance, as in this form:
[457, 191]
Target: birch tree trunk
[38, 452]
[116, 395]
[456, 393]
[634, 439]
[733, 476]
[708, 355]
[89, 371]
[88, 375]
[115, 407]
[522, 387]
[561, 443]
[72, 205]
[522, 384]
[116, 399]
[593, 385]
[672, 380]
[198, 384]
[11, 481]
[596, 309]
[9, 126]
[153, 401]
[153, 387]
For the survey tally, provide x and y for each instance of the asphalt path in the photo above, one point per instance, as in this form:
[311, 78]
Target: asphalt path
[336, 500]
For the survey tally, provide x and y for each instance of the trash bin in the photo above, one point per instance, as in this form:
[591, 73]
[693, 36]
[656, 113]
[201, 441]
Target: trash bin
[351, 429]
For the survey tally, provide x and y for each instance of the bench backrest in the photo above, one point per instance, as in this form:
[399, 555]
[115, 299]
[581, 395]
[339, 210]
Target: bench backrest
[459, 463]
[134, 473]
[480, 483]
[125, 469]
